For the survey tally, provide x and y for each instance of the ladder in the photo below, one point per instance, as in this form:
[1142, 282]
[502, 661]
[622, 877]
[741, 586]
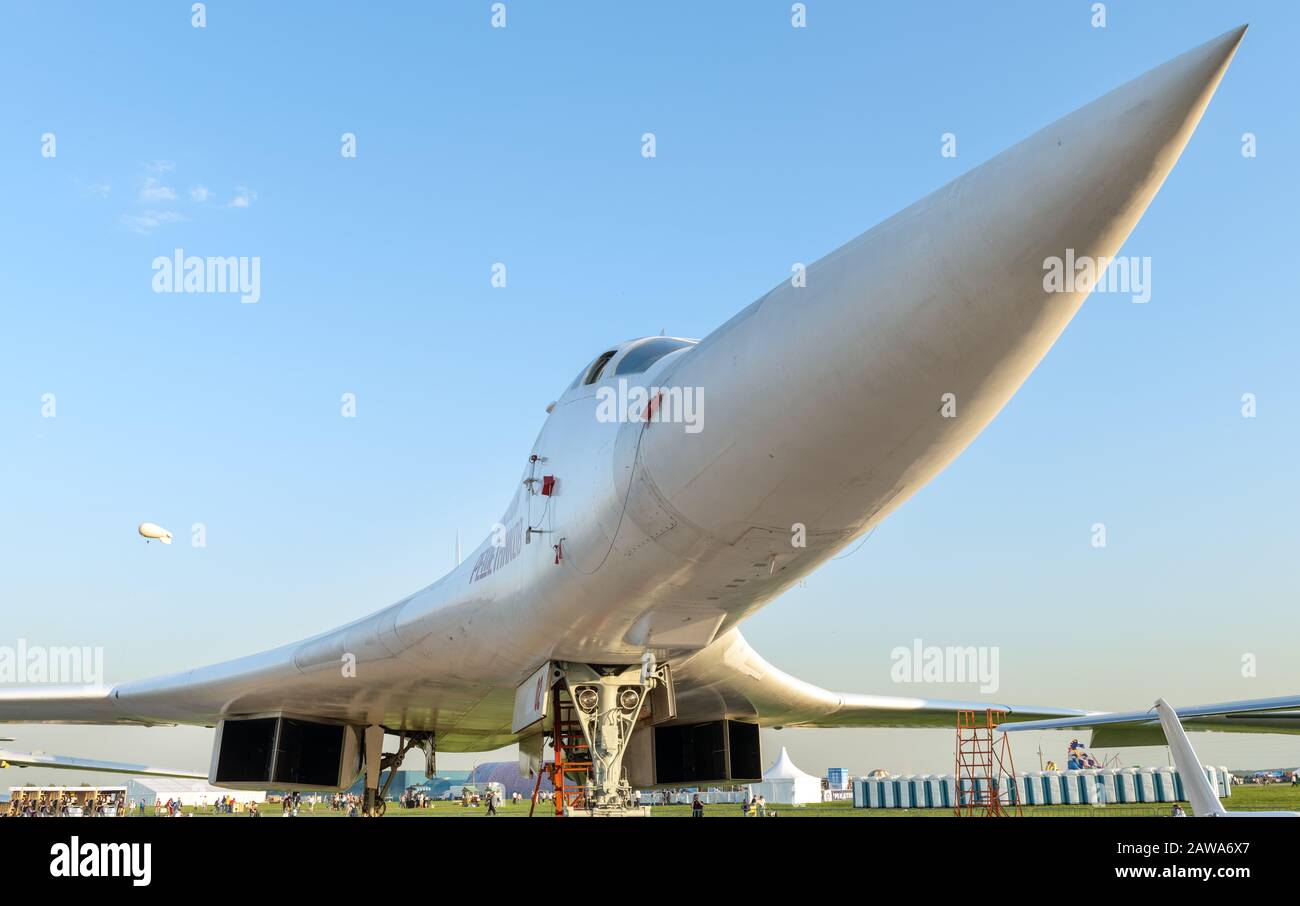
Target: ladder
[984, 767]
[570, 772]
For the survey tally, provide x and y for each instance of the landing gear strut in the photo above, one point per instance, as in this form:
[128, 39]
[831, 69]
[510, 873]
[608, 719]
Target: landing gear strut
[608, 700]
[377, 761]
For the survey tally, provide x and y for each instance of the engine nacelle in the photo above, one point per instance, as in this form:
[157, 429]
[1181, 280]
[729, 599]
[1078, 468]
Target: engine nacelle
[713, 752]
[285, 752]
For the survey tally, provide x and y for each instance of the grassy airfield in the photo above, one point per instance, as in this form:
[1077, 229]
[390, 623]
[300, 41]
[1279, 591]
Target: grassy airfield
[1276, 797]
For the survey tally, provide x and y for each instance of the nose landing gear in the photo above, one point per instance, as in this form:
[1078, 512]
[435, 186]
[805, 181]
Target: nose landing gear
[607, 701]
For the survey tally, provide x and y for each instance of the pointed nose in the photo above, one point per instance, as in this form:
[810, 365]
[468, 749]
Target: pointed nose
[828, 404]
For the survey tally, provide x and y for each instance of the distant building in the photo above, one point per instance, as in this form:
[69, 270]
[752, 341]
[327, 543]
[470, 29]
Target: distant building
[434, 786]
[507, 774]
[837, 778]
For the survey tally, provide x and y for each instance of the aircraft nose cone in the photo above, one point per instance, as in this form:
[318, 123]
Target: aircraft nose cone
[1136, 133]
[826, 402]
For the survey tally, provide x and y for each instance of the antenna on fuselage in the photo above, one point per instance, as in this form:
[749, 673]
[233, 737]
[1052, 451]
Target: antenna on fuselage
[458, 547]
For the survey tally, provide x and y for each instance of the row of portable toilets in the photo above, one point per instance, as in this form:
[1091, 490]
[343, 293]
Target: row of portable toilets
[1082, 787]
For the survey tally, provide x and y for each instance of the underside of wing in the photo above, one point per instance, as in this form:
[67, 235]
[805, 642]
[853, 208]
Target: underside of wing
[730, 679]
[359, 674]
[1142, 728]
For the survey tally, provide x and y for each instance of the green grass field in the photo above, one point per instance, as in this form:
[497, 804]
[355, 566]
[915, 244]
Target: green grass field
[1244, 798]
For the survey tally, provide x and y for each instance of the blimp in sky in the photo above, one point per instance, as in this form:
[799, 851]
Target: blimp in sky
[152, 532]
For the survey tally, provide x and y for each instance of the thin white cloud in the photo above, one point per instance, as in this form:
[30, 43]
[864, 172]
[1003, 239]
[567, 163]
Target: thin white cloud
[154, 191]
[155, 198]
[147, 221]
[243, 198]
[95, 189]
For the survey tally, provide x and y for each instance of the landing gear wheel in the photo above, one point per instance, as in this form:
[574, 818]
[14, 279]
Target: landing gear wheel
[380, 807]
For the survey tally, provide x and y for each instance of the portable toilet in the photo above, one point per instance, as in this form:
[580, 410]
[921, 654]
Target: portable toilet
[1090, 791]
[939, 796]
[885, 787]
[1010, 790]
[1051, 787]
[916, 784]
[1125, 785]
[929, 791]
[1225, 781]
[1109, 785]
[1144, 783]
[1085, 779]
[860, 793]
[903, 793]
[1070, 787]
[1033, 788]
[948, 791]
[1165, 789]
[936, 791]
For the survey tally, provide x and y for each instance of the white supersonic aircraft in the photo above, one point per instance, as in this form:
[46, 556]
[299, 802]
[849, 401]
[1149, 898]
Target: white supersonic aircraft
[633, 547]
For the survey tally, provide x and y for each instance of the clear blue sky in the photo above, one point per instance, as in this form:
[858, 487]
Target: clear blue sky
[522, 145]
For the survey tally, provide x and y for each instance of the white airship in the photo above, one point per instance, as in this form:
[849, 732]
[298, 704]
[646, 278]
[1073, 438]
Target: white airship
[609, 595]
[152, 532]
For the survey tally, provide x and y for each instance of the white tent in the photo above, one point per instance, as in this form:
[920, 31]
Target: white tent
[784, 784]
[190, 792]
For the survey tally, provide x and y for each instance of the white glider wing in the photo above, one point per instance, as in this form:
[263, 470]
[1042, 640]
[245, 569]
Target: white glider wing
[1202, 797]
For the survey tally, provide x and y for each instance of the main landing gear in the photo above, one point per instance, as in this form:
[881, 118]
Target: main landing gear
[377, 761]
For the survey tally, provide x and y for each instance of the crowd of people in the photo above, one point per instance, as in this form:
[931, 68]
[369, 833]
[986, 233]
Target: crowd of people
[229, 805]
[751, 807]
[416, 798]
[64, 804]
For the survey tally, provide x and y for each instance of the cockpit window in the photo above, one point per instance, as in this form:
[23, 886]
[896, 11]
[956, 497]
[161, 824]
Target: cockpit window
[591, 374]
[639, 358]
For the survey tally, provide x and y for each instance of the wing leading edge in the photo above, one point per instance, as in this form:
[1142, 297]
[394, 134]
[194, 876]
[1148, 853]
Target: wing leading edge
[61, 704]
[64, 762]
[731, 679]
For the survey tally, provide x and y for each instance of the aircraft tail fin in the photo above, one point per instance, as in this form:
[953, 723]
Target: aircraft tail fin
[1196, 785]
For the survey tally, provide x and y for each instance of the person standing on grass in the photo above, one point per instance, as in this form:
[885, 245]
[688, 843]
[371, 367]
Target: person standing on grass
[697, 807]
